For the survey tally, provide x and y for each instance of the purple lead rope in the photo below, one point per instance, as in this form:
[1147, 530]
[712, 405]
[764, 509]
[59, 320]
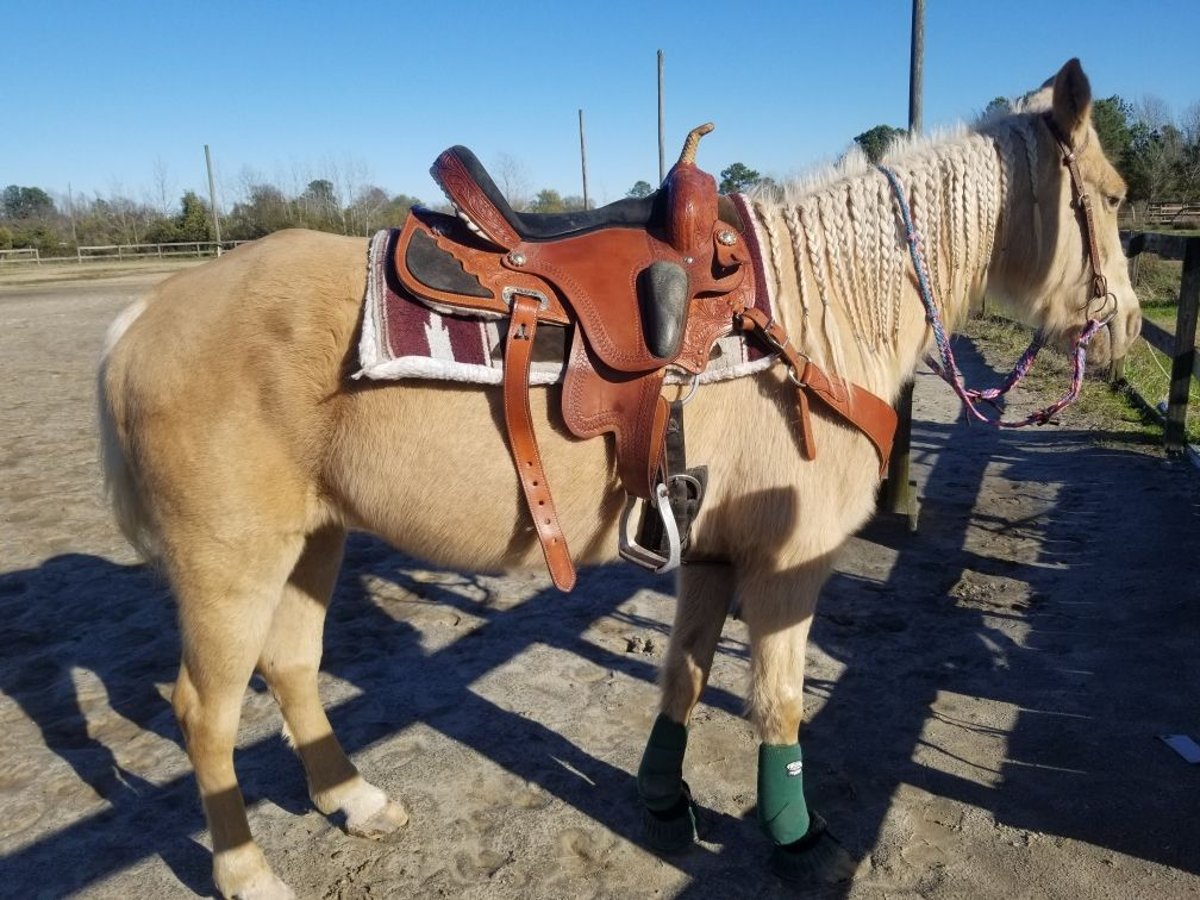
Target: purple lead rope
[948, 369]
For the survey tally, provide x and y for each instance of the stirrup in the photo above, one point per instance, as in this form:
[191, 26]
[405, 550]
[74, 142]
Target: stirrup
[634, 552]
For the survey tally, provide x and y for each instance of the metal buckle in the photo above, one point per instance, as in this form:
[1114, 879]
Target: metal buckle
[631, 550]
[508, 293]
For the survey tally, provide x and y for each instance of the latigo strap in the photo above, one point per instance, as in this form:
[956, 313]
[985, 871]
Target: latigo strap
[518, 351]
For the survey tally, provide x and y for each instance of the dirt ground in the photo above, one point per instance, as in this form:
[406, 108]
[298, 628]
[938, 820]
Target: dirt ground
[984, 697]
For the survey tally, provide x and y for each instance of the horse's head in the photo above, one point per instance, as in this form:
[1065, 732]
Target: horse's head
[1061, 259]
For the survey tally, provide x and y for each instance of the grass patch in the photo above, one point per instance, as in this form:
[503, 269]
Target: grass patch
[1158, 280]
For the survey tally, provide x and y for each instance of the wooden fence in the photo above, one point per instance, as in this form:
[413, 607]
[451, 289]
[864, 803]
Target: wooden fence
[1160, 212]
[21, 255]
[159, 251]
[1181, 346]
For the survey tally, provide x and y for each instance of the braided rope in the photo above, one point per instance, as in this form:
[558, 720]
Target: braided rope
[948, 369]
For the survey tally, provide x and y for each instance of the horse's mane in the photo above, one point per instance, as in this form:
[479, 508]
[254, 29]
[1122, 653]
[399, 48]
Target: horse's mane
[842, 221]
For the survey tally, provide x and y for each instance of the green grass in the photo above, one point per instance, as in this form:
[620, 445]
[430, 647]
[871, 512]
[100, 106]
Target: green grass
[1100, 405]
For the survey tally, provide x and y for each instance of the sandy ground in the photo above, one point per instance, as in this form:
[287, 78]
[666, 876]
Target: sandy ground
[984, 697]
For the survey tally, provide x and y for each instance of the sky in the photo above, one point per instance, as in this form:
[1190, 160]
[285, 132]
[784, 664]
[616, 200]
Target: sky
[120, 98]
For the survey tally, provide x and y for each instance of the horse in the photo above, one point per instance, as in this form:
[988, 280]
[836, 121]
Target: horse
[238, 451]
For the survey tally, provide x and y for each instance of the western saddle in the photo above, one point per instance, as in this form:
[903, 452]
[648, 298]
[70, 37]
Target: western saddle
[646, 284]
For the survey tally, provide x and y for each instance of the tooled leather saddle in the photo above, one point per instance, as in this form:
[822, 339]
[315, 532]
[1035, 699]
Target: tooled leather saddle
[645, 284]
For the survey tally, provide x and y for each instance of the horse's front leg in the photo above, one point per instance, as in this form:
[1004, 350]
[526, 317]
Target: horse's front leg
[705, 592]
[778, 610]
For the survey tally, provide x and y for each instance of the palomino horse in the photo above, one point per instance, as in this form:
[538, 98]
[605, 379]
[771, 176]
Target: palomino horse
[238, 452]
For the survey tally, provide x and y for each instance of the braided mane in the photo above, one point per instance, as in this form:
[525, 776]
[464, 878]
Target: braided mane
[835, 243]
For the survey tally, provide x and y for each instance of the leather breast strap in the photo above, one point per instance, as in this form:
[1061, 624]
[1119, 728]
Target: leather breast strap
[855, 405]
[518, 422]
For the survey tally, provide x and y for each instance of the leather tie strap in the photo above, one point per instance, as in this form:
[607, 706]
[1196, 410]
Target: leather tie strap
[518, 422]
[857, 406]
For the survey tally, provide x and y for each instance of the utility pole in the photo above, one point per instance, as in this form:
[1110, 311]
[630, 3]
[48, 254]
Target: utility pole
[583, 159]
[662, 158]
[916, 69]
[212, 199]
[900, 494]
[71, 213]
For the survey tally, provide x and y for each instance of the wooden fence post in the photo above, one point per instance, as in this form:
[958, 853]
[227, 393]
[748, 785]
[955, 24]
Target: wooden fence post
[1184, 363]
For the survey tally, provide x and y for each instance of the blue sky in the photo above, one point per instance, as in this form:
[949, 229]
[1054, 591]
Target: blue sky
[121, 97]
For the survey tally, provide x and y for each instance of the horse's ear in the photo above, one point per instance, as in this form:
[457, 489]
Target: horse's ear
[1072, 103]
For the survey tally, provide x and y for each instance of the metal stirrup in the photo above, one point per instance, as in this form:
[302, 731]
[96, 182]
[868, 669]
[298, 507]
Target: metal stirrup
[634, 552]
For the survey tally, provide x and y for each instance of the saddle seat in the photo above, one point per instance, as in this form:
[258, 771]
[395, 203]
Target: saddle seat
[464, 180]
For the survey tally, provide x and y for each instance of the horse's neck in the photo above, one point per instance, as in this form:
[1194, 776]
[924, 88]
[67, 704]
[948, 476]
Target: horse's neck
[839, 264]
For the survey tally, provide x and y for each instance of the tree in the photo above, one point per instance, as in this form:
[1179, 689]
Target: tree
[194, 222]
[510, 178]
[26, 203]
[999, 106]
[547, 200]
[264, 210]
[640, 189]
[1110, 116]
[875, 141]
[738, 178]
[1156, 157]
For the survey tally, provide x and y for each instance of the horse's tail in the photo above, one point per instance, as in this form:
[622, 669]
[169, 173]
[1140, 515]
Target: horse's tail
[120, 479]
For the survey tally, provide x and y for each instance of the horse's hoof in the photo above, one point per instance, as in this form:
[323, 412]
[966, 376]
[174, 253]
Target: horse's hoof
[388, 820]
[817, 858]
[672, 830]
[268, 887]
[242, 873]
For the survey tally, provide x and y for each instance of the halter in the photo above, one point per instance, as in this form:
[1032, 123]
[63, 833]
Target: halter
[948, 368]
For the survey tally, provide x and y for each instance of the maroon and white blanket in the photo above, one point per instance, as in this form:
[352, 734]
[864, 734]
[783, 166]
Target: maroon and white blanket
[403, 338]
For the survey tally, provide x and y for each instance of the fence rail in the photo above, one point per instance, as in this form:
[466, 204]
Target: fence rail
[22, 255]
[142, 251]
[1162, 212]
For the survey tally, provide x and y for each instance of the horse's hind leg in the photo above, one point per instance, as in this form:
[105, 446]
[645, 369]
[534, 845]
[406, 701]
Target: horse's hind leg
[289, 662]
[227, 592]
[704, 596]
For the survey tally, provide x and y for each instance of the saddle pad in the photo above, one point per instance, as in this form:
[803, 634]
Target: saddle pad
[404, 338]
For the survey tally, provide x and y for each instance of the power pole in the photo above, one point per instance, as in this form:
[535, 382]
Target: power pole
[916, 69]
[71, 213]
[212, 198]
[583, 159]
[662, 158]
[900, 494]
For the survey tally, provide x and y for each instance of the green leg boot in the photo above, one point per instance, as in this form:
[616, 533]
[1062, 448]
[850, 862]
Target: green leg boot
[668, 814]
[804, 850]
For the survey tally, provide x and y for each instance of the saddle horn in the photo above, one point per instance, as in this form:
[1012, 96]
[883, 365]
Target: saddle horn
[692, 142]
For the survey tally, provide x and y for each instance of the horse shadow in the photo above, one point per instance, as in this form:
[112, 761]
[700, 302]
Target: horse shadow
[64, 671]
